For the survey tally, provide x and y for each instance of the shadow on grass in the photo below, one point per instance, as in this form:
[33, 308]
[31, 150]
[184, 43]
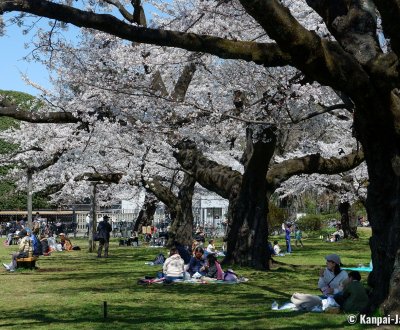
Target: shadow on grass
[146, 316]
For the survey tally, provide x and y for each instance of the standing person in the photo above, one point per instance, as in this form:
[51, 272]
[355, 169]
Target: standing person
[288, 230]
[87, 224]
[298, 235]
[103, 230]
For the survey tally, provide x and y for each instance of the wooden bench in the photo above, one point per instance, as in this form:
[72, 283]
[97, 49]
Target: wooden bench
[29, 262]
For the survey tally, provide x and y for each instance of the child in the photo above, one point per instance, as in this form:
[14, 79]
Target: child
[213, 268]
[298, 235]
[354, 297]
[277, 249]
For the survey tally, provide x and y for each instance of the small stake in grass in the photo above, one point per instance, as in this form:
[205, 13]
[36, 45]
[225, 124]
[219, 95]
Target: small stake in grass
[105, 309]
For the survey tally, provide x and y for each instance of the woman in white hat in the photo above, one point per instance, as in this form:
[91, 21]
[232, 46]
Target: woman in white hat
[331, 278]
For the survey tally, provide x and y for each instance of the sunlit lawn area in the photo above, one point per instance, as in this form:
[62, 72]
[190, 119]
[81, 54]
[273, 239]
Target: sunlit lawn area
[69, 289]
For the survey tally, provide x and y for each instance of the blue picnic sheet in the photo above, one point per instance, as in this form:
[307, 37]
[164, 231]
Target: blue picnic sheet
[359, 269]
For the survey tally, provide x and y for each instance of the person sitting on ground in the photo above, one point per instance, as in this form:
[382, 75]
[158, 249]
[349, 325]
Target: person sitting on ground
[213, 268]
[338, 234]
[25, 249]
[45, 245]
[331, 278]
[183, 252]
[195, 244]
[270, 248]
[173, 267]
[12, 232]
[134, 239]
[354, 297]
[196, 263]
[65, 242]
[277, 249]
[200, 235]
[211, 246]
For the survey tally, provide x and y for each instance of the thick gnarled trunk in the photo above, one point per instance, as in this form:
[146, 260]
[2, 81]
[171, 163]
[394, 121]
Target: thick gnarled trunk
[182, 214]
[378, 127]
[384, 215]
[248, 233]
[146, 214]
[348, 230]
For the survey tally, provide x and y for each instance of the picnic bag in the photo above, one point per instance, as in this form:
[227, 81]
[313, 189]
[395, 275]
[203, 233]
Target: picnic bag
[230, 276]
[159, 260]
[96, 237]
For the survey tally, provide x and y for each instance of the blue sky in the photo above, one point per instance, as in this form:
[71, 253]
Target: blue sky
[12, 64]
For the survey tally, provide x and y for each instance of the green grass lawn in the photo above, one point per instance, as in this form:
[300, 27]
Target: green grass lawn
[69, 288]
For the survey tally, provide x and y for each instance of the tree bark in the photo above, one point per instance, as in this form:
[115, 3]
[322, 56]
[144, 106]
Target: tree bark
[248, 233]
[180, 208]
[182, 226]
[348, 230]
[146, 214]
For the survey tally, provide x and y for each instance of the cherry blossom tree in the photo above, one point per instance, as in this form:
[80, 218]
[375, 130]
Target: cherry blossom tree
[349, 58]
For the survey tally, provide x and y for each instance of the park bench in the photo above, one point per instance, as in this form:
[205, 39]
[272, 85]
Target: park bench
[28, 262]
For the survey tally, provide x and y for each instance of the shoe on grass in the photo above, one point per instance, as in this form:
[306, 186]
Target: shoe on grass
[6, 266]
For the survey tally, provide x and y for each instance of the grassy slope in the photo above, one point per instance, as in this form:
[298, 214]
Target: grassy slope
[69, 289]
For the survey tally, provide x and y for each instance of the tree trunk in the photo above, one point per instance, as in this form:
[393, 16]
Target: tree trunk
[248, 232]
[182, 224]
[384, 215]
[180, 208]
[378, 128]
[348, 230]
[146, 214]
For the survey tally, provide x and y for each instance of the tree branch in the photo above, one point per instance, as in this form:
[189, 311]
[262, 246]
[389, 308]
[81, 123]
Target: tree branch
[38, 117]
[319, 59]
[310, 164]
[100, 177]
[268, 54]
[126, 14]
[343, 21]
[321, 110]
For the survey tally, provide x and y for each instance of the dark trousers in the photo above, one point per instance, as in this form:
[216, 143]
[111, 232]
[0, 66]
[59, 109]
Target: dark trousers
[105, 243]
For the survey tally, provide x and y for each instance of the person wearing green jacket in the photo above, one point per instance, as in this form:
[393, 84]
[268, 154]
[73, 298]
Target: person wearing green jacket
[354, 297]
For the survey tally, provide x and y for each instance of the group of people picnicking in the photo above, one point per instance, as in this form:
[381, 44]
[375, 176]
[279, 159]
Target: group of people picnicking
[34, 242]
[339, 291]
[334, 282]
[345, 288]
[202, 264]
[194, 263]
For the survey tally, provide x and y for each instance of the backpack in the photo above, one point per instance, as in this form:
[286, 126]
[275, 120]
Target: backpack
[36, 246]
[230, 276]
[159, 260]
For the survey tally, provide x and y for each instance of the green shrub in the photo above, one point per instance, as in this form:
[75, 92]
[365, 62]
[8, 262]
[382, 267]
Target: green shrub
[276, 216]
[311, 222]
